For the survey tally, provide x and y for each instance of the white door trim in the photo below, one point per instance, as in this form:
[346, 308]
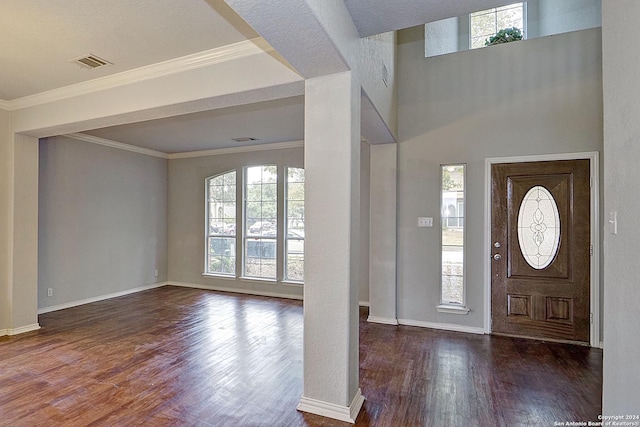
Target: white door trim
[594, 161]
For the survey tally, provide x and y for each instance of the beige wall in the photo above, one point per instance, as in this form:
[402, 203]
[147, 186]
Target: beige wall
[24, 259]
[6, 162]
[538, 96]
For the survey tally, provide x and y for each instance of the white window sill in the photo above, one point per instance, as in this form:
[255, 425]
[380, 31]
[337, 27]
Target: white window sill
[219, 276]
[452, 309]
[257, 279]
[292, 283]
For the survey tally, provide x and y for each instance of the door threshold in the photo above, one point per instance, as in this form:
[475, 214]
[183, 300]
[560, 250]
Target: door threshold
[559, 341]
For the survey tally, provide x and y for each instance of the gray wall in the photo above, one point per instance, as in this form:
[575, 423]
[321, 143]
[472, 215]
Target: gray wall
[548, 17]
[538, 96]
[187, 217]
[621, 373]
[102, 221]
[365, 199]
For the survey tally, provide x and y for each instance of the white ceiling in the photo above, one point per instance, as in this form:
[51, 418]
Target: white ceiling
[280, 120]
[39, 37]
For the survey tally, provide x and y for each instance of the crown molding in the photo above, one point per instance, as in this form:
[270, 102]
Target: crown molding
[116, 144]
[233, 150]
[185, 155]
[185, 63]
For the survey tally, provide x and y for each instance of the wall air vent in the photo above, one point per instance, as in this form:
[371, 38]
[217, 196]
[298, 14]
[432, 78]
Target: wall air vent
[244, 139]
[90, 62]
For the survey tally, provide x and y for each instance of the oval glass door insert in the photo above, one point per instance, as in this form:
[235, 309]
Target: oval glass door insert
[539, 227]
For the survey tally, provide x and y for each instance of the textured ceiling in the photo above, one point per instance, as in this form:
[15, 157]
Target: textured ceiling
[379, 16]
[39, 37]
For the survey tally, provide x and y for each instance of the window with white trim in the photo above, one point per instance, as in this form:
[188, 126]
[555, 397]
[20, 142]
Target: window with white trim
[486, 23]
[294, 240]
[244, 228]
[452, 234]
[221, 224]
[260, 222]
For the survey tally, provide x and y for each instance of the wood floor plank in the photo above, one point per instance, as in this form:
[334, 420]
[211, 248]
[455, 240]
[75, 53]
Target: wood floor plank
[185, 357]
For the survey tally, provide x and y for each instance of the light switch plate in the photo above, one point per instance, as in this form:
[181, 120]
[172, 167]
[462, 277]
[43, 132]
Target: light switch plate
[425, 222]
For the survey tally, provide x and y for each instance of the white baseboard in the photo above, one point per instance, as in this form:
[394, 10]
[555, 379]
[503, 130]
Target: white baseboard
[363, 303]
[235, 290]
[20, 330]
[382, 320]
[23, 329]
[100, 298]
[443, 326]
[330, 410]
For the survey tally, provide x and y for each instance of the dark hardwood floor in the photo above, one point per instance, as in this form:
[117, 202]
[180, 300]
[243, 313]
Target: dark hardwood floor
[174, 356]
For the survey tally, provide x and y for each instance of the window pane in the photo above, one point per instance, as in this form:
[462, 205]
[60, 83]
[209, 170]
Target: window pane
[221, 255]
[294, 256]
[295, 260]
[221, 224]
[452, 220]
[261, 219]
[452, 289]
[260, 258]
[486, 23]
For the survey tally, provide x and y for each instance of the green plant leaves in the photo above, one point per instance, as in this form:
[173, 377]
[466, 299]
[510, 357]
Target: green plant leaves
[505, 35]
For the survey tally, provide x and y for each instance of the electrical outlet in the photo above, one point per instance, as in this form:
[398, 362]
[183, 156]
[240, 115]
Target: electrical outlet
[49, 292]
[156, 272]
[425, 222]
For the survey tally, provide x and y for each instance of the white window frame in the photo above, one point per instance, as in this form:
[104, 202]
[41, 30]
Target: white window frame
[452, 307]
[209, 234]
[287, 238]
[245, 227]
[494, 10]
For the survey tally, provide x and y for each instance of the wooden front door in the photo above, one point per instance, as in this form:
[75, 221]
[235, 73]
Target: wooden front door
[540, 228]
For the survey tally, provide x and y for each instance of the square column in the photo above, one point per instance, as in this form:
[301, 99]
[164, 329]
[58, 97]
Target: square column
[332, 208]
[382, 254]
[19, 235]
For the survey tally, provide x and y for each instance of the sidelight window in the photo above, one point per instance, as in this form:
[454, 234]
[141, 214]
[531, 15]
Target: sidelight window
[452, 221]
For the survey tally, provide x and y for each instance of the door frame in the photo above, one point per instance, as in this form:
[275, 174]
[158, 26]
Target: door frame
[594, 166]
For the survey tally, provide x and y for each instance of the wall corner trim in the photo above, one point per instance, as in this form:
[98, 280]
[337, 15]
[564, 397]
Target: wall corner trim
[115, 144]
[100, 298]
[382, 320]
[442, 326]
[233, 150]
[23, 329]
[235, 290]
[177, 65]
[330, 410]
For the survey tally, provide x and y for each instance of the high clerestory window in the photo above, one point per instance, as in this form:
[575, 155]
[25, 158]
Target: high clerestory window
[486, 23]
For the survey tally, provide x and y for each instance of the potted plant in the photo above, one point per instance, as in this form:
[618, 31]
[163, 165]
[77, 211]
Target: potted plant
[505, 35]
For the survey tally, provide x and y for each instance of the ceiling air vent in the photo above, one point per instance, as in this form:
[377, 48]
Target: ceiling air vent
[90, 61]
[244, 139]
